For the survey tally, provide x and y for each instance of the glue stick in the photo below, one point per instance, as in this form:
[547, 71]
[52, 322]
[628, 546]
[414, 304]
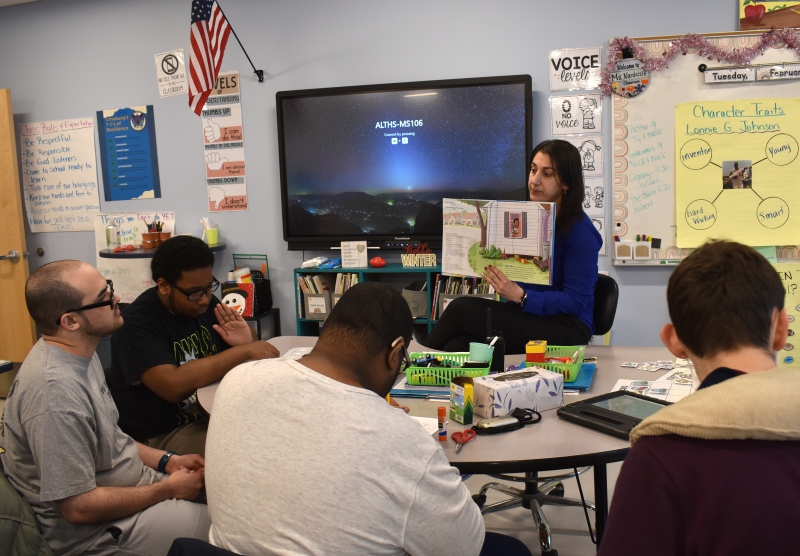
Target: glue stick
[442, 423]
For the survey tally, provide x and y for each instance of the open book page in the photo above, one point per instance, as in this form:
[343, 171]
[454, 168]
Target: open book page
[514, 236]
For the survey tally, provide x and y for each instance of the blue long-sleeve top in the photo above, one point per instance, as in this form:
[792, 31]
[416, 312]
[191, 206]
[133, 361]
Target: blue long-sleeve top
[574, 274]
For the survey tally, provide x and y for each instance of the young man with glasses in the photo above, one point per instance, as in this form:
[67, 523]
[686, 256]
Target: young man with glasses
[93, 488]
[177, 337]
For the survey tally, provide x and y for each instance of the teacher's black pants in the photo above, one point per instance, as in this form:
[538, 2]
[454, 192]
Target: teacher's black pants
[465, 321]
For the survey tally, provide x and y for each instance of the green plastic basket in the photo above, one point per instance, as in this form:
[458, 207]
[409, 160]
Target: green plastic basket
[569, 370]
[439, 376]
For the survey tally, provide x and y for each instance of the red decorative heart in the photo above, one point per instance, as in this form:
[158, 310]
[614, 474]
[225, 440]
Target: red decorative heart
[754, 13]
[377, 262]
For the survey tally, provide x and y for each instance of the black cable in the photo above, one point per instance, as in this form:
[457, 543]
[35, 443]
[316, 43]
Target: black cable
[583, 501]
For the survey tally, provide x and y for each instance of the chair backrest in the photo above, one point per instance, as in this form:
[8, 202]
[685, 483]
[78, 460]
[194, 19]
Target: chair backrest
[606, 295]
[19, 530]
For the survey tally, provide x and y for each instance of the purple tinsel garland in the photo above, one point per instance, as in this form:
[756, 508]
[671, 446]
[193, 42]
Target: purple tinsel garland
[704, 47]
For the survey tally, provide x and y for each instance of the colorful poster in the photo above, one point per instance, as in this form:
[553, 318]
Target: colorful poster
[128, 153]
[223, 140]
[577, 68]
[171, 74]
[763, 16]
[131, 276]
[576, 115]
[736, 171]
[59, 178]
[790, 276]
[514, 236]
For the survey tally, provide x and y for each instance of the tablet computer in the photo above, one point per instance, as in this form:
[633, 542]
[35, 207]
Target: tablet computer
[615, 413]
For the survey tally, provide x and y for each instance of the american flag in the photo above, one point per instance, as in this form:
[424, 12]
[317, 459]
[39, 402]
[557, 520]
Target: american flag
[209, 35]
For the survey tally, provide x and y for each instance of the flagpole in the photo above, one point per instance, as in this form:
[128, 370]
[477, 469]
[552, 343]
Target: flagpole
[259, 73]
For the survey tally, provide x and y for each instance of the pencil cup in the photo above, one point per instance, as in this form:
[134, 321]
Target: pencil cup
[163, 236]
[212, 236]
[480, 352]
[150, 240]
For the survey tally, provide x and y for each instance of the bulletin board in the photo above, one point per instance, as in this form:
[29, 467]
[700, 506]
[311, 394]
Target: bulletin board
[644, 153]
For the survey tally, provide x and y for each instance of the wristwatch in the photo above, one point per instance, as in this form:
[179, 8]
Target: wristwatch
[523, 298]
[162, 463]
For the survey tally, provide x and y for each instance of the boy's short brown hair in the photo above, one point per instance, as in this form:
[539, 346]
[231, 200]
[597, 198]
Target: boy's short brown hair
[722, 297]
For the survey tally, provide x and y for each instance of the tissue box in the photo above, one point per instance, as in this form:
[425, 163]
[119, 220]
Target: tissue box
[498, 395]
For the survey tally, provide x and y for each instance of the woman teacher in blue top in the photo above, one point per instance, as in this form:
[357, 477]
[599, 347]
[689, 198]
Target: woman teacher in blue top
[560, 313]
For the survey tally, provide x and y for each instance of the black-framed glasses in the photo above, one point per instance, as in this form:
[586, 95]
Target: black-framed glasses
[406, 359]
[195, 296]
[109, 302]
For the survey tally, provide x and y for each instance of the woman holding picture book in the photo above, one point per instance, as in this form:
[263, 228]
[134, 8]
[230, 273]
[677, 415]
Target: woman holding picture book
[560, 313]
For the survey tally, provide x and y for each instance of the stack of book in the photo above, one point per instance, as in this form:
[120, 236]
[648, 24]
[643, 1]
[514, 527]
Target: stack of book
[323, 283]
[457, 285]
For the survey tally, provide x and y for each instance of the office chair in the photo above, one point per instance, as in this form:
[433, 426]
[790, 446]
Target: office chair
[195, 547]
[551, 491]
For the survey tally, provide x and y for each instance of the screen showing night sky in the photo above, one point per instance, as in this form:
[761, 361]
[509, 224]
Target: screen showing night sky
[381, 162]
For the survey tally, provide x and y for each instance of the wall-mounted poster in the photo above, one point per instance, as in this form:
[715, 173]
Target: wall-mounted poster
[171, 74]
[576, 115]
[131, 276]
[763, 16]
[128, 154]
[591, 150]
[223, 142]
[59, 177]
[576, 68]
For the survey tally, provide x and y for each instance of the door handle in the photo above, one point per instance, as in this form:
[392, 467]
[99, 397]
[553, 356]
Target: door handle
[12, 256]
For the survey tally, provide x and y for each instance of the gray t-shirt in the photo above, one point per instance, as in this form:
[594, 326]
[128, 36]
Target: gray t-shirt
[61, 438]
[298, 463]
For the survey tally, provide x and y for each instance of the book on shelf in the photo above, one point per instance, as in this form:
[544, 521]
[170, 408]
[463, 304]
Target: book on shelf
[457, 285]
[324, 283]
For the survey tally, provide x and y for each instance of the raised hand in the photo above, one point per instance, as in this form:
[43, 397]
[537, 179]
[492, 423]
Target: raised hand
[232, 327]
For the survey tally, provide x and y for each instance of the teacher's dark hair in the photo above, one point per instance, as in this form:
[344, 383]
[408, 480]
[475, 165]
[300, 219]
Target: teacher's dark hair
[367, 319]
[179, 254]
[722, 297]
[48, 294]
[566, 160]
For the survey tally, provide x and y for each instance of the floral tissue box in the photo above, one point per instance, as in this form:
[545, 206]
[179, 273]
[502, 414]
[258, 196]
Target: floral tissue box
[533, 388]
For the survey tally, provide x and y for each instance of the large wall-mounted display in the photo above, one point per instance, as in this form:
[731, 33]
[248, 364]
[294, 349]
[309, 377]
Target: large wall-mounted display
[374, 162]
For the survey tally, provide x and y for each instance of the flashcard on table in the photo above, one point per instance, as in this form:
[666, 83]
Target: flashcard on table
[631, 364]
[672, 387]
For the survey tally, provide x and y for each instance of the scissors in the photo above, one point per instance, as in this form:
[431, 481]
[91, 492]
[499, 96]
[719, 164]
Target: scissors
[462, 438]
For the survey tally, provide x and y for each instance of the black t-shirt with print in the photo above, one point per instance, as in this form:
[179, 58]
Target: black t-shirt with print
[153, 336]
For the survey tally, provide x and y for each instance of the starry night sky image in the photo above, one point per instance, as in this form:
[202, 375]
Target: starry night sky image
[346, 177]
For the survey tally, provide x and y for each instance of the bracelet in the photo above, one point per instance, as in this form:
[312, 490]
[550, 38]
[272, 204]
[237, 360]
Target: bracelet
[523, 299]
[162, 463]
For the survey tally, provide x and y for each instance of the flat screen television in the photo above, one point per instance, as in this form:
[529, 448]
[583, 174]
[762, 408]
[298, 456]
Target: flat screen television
[374, 162]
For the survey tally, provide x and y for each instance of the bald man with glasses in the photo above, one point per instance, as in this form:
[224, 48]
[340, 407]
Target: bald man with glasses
[177, 337]
[93, 488]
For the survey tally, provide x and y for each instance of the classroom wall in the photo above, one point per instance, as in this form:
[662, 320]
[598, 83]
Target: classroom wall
[70, 58]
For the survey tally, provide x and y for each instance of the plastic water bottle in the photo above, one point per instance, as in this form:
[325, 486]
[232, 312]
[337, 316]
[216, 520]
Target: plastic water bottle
[112, 235]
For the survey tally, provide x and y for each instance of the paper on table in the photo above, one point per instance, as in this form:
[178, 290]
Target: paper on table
[672, 387]
[430, 424]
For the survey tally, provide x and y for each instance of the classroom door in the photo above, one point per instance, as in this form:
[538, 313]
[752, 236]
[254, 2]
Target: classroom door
[17, 331]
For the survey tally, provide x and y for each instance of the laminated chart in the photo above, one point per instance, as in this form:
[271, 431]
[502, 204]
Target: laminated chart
[223, 142]
[736, 171]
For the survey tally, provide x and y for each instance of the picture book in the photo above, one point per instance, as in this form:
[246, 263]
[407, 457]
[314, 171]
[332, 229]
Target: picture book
[514, 236]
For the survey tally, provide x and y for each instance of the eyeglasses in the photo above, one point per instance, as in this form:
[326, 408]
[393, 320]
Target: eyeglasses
[110, 302]
[406, 360]
[195, 296]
